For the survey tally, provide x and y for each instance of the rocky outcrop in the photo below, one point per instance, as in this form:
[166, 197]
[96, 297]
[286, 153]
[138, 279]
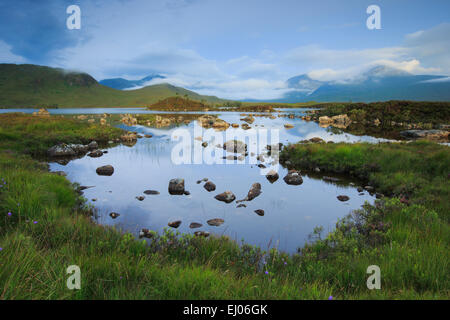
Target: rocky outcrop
[67, 150]
[340, 121]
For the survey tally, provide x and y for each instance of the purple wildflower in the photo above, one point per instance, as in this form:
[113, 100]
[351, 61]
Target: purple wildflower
[9, 214]
[34, 222]
[267, 272]
[330, 298]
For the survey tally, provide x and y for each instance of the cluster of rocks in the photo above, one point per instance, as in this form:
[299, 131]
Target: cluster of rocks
[71, 150]
[341, 121]
[42, 113]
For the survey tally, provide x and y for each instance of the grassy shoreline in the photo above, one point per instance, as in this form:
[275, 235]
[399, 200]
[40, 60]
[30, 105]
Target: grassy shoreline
[49, 229]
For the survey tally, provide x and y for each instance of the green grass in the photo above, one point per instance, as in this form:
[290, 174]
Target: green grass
[35, 134]
[408, 242]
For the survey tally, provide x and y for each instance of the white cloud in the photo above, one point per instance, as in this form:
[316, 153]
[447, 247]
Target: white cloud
[6, 56]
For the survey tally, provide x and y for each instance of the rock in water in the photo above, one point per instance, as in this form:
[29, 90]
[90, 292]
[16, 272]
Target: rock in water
[114, 215]
[293, 178]
[254, 191]
[215, 222]
[259, 212]
[226, 196]
[174, 224]
[140, 198]
[241, 206]
[105, 170]
[210, 186]
[343, 198]
[176, 186]
[194, 225]
[272, 176]
[95, 154]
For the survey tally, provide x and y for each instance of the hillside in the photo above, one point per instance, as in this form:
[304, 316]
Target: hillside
[30, 86]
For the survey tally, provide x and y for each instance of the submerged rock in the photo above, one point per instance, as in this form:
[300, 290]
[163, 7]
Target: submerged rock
[293, 178]
[215, 222]
[332, 179]
[148, 192]
[140, 198]
[176, 186]
[107, 170]
[241, 206]
[226, 197]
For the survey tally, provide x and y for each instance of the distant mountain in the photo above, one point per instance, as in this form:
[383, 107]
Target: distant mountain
[122, 84]
[29, 86]
[380, 83]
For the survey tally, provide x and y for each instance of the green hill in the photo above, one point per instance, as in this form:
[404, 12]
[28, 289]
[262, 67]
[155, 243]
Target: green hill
[30, 86]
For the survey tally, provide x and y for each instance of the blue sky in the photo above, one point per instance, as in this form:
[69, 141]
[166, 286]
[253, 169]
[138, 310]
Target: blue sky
[233, 49]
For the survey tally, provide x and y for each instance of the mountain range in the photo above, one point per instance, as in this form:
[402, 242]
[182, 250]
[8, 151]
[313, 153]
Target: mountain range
[380, 83]
[28, 85]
